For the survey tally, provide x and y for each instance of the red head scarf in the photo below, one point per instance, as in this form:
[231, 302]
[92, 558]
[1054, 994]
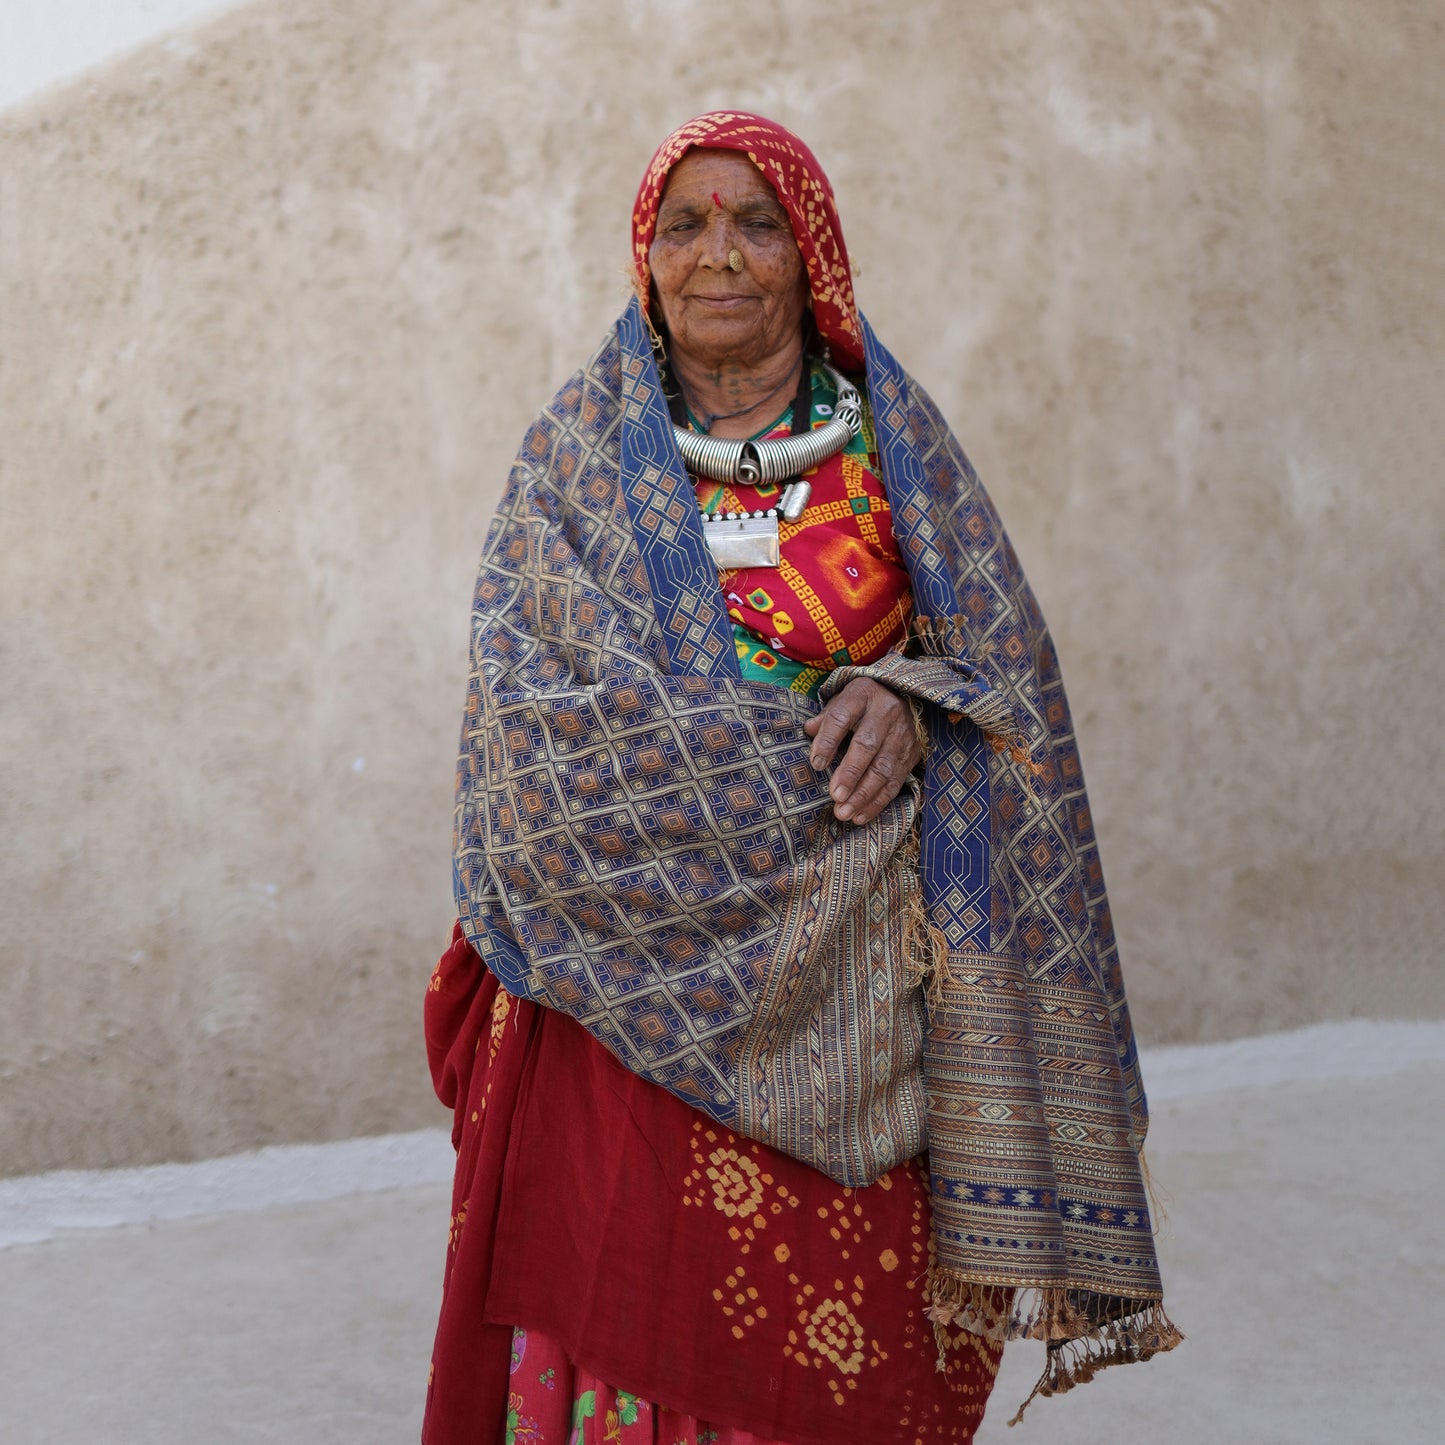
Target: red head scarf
[794, 173]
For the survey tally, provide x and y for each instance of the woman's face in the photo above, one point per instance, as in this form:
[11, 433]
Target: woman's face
[716, 202]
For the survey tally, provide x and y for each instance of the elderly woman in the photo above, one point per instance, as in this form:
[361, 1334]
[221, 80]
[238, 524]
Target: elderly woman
[783, 1024]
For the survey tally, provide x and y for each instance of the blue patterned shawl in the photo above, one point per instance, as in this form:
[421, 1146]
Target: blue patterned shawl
[642, 843]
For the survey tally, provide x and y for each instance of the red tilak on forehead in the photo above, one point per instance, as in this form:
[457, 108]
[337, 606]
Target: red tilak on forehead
[716, 201]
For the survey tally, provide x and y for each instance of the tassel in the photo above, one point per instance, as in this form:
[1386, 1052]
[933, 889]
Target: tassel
[918, 954]
[1081, 1337]
[1156, 1194]
[948, 637]
[1125, 1341]
[925, 946]
[941, 975]
[980, 1309]
[920, 726]
[1016, 748]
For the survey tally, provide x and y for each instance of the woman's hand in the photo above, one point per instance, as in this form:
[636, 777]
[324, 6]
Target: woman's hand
[883, 752]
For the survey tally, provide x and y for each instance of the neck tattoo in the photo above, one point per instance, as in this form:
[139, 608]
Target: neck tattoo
[706, 420]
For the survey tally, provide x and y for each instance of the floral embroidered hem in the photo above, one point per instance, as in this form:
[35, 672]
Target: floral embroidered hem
[554, 1402]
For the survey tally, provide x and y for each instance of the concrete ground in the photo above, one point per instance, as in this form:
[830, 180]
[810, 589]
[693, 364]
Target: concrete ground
[1304, 1257]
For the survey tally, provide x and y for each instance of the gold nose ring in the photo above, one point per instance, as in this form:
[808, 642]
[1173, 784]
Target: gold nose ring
[735, 259]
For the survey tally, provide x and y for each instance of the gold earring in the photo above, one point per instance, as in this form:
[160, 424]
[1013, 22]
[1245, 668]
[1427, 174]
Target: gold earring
[735, 259]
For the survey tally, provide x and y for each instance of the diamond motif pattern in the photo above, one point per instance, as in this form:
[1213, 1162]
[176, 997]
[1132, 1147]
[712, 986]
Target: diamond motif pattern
[641, 841]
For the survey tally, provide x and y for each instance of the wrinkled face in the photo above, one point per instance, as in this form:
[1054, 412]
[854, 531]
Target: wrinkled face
[717, 202]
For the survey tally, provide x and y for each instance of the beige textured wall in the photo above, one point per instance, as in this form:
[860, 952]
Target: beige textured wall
[277, 302]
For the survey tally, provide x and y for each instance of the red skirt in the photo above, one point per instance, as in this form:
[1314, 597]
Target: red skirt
[697, 1271]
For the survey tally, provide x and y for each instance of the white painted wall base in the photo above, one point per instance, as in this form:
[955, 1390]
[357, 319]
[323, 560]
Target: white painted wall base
[1348, 1049]
[40, 1206]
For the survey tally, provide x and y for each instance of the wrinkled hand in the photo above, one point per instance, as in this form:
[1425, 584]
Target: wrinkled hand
[883, 752]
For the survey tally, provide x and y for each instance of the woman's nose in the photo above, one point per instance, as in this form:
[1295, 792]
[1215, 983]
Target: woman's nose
[717, 241]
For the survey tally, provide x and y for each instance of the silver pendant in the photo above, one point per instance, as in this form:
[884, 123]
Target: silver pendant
[750, 539]
[742, 541]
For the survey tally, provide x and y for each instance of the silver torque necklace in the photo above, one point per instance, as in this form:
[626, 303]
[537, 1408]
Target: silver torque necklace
[750, 539]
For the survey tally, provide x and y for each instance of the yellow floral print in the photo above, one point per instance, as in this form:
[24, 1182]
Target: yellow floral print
[501, 1008]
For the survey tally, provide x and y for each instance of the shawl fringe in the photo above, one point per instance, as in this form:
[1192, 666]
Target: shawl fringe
[1127, 1341]
[1001, 727]
[1159, 1197]
[925, 948]
[1084, 1333]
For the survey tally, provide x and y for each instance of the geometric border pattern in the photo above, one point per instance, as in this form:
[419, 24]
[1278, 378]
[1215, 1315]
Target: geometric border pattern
[641, 842]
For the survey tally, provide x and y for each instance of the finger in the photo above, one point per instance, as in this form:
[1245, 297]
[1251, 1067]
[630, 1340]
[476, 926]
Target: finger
[862, 751]
[834, 723]
[866, 812]
[886, 775]
[883, 779]
[882, 717]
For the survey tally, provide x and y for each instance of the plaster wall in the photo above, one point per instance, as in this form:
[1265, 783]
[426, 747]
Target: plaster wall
[277, 302]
